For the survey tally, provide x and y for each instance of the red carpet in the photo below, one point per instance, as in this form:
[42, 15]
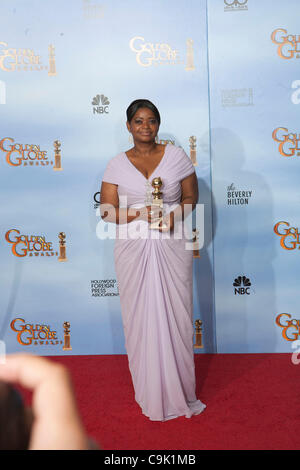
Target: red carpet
[252, 403]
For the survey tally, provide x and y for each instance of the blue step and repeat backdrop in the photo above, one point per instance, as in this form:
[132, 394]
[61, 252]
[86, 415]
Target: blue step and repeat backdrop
[225, 77]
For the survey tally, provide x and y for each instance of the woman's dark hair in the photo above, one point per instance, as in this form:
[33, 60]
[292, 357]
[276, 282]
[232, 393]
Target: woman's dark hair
[137, 104]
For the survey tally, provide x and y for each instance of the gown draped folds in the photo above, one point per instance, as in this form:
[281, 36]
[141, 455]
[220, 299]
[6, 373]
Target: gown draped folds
[155, 279]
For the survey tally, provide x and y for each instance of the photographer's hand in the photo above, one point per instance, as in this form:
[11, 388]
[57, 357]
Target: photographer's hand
[56, 421]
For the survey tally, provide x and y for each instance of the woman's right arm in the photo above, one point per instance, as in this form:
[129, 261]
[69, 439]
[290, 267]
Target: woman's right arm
[109, 206]
[111, 212]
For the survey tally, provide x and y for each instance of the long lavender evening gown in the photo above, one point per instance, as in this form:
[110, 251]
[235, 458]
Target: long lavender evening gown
[156, 292]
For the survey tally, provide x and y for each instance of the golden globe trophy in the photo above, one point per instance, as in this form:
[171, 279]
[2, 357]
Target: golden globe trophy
[57, 166]
[67, 337]
[198, 334]
[157, 201]
[62, 247]
[190, 55]
[193, 153]
[52, 66]
[196, 253]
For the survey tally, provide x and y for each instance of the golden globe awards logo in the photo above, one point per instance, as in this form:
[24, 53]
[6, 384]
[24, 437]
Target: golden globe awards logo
[235, 5]
[289, 236]
[13, 59]
[288, 44]
[29, 245]
[23, 154]
[288, 142]
[290, 327]
[38, 335]
[149, 54]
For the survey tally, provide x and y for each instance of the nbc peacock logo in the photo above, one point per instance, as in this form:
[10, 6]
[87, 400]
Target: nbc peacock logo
[242, 285]
[100, 104]
[235, 5]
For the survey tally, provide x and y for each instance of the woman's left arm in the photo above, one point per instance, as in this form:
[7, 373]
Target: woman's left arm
[189, 195]
[189, 199]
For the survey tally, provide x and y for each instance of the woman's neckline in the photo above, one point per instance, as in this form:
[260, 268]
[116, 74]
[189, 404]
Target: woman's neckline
[155, 169]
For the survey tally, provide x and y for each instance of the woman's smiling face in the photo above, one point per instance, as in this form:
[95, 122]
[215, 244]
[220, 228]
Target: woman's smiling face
[143, 126]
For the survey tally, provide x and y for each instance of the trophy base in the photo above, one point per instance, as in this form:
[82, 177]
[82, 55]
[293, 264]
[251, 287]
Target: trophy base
[67, 349]
[196, 252]
[57, 169]
[155, 225]
[62, 259]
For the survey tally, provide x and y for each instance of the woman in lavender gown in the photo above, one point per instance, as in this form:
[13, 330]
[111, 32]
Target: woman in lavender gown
[154, 268]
